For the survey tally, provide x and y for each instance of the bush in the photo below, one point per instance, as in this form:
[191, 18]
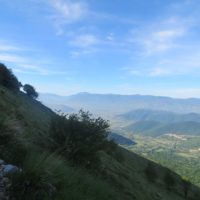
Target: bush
[12, 149]
[8, 79]
[5, 132]
[48, 177]
[30, 91]
[78, 137]
[151, 173]
[41, 177]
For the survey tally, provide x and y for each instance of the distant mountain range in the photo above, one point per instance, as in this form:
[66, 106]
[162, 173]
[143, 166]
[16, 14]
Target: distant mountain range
[137, 114]
[118, 104]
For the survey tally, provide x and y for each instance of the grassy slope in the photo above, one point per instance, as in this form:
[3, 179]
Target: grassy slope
[120, 180]
[27, 114]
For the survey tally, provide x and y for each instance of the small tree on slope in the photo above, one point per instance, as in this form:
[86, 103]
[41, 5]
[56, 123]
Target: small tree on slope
[30, 91]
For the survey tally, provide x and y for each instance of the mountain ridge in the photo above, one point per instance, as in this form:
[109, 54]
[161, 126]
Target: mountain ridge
[123, 103]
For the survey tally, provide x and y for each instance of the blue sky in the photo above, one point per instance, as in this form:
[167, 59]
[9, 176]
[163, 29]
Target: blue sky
[102, 46]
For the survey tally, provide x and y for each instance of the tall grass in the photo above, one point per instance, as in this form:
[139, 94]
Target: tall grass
[46, 177]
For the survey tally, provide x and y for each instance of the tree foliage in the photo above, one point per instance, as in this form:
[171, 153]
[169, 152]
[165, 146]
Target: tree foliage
[79, 137]
[8, 79]
[30, 91]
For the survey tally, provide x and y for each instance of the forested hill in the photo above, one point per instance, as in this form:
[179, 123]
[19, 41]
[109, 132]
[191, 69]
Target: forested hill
[69, 157]
[154, 128]
[160, 116]
[157, 122]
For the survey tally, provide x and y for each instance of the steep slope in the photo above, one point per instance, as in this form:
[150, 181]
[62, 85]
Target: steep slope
[122, 175]
[121, 140]
[25, 113]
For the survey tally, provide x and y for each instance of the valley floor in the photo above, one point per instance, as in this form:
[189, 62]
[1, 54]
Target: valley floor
[177, 152]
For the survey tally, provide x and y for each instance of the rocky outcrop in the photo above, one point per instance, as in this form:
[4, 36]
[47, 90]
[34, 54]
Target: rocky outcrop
[5, 171]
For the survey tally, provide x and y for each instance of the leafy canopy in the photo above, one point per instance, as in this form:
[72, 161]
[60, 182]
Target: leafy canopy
[79, 137]
[30, 91]
[8, 79]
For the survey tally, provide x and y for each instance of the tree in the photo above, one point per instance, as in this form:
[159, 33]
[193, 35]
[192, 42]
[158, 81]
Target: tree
[30, 91]
[8, 79]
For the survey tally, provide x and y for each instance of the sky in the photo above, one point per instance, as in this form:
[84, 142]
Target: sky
[103, 46]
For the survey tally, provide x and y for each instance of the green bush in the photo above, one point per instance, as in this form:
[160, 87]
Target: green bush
[49, 177]
[78, 137]
[5, 132]
[30, 91]
[41, 177]
[12, 148]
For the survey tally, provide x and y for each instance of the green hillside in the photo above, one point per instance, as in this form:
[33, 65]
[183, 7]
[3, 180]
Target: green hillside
[155, 128]
[160, 116]
[26, 140]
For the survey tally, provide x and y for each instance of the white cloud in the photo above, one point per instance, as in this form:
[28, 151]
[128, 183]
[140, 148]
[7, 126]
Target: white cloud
[23, 64]
[161, 40]
[161, 36]
[66, 12]
[184, 64]
[85, 40]
[7, 47]
[7, 57]
[69, 10]
[159, 71]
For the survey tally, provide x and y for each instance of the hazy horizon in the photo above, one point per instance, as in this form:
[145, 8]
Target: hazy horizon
[77, 93]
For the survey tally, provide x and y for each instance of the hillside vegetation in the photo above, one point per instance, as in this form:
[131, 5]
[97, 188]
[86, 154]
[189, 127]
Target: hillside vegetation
[160, 116]
[154, 128]
[69, 157]
[157, 122]
[179, 153]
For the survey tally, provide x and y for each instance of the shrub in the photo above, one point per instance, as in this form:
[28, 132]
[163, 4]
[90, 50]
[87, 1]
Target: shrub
[78, 137]
[5, 132]
[8, 79]
[12, 149]
[30, 91]
[41, 177]
[151, 173]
